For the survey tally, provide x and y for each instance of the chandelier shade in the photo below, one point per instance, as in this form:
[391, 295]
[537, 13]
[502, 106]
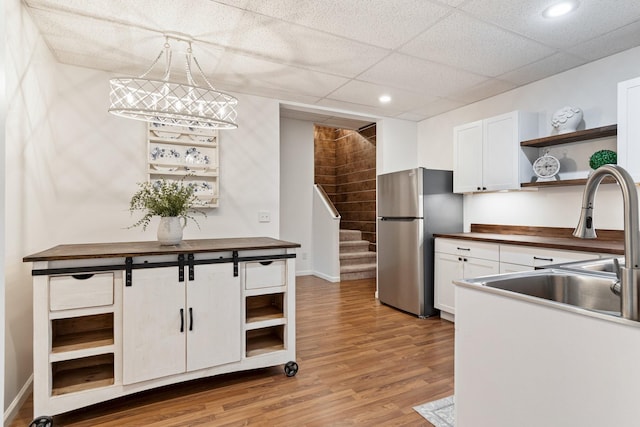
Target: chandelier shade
[171, 103]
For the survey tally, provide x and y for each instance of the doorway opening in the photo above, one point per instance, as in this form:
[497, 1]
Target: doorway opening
[345, 167]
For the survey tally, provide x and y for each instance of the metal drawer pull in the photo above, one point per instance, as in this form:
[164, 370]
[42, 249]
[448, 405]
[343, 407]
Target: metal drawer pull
[190, 319]
[181, 320]
[464, 249]
[82, 276]
[543, 259]
[265, 262]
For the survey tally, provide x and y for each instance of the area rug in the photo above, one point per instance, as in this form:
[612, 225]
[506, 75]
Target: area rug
[439, 412]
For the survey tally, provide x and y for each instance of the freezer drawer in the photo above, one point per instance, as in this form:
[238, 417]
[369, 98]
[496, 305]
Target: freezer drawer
[400, 264]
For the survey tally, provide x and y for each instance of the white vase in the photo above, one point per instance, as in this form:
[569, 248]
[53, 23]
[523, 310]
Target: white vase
[566, 119]
[170, 230]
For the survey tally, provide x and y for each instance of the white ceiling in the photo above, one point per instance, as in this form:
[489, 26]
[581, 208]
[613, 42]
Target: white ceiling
[431, 56]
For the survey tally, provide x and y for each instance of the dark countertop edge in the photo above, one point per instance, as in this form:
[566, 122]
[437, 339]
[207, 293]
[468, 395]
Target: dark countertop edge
[571, 244]
[134, 249]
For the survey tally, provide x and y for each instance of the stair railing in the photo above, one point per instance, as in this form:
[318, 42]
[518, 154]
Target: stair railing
[325, 236]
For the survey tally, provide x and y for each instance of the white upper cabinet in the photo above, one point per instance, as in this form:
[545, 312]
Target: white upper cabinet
[487, 153]
[629, 127]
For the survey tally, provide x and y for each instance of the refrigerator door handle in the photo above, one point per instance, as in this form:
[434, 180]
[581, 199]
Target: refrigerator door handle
[398, 218]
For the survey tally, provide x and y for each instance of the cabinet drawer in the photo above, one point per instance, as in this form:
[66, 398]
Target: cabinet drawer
[468, 248]
[537, 257]
[82, 290]
[265, 274]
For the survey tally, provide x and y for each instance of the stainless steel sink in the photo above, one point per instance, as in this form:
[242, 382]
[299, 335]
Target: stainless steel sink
[583, 290]
[605, 265]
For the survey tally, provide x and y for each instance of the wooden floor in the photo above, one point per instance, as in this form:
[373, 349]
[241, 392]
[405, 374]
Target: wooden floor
[361, 363]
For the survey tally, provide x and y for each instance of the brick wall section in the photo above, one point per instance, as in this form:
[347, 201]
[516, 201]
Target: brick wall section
[352, 189]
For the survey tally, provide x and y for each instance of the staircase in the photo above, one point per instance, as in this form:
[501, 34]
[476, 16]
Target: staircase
[356, 261]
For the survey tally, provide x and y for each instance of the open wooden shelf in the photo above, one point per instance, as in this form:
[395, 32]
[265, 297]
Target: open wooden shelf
[564, 183]
[581, 135]
[78, 333]
[265, 340]
[70, 376]
[264, 307]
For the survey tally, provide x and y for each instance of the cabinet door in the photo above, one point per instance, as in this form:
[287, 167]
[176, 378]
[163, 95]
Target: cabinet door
[467, 156]
[500, 152]
[629, 127]
[475, 267]
[153, 313]
[447, 268]
[214, 317]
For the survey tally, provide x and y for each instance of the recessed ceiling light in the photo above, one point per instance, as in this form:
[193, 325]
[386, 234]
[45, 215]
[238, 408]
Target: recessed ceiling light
[384, 99]
[560, 9]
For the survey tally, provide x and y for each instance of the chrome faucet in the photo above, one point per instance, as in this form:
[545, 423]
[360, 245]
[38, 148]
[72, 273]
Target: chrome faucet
[630, 273]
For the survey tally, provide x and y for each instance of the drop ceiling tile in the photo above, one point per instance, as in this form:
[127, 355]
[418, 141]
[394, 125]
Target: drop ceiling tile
[191, 17]
[240, 70]
[368, 93]
[384, 23]
[483, 90]
[463, 42]
[417, 75]
[278, 41]
[438, 106]
[616, 41]
[553, 64]
[591, 19]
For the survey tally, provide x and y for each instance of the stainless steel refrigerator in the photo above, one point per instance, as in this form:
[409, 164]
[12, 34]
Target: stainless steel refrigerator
[413, 205]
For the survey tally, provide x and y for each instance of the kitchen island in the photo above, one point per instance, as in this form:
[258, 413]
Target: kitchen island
[111, 319]
[522, 362]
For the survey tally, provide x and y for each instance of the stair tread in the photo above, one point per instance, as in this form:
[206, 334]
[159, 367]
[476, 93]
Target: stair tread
[353, 242]
[363, 254]
[357, 267]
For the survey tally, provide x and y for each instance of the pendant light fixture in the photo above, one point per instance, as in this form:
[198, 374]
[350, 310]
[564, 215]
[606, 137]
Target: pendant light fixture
[170, 103]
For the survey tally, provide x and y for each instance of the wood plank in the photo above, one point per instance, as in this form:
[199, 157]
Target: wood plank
[132, 249]
[564, 182]
[581, 135]
[361, 364]
[526, 230]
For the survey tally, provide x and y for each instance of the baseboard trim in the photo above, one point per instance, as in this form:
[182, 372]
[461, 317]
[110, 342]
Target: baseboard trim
[304, 273]
[17, 403]
[332, 279]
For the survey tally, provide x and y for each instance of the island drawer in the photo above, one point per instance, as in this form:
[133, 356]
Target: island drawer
[81, 290]
[265, 274]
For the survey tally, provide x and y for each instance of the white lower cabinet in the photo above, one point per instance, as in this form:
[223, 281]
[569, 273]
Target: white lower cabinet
[181, 326]
[459, 259]
[464, 259]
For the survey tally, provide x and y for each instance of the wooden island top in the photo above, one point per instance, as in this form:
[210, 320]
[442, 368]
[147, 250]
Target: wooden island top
[133, 249]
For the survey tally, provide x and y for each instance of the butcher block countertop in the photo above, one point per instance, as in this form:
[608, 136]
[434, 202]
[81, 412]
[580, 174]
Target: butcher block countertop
[608, 241]
[132, 249]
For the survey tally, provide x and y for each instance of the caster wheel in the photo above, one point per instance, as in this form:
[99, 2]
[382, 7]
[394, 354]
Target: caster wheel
[291, 369]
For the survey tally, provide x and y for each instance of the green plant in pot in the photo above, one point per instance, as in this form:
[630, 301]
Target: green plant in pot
[602, 157]
[172, 201]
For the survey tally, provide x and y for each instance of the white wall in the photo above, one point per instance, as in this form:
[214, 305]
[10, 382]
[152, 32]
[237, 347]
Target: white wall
[296, 188]
[3, 115]
[396, 147]
[71, 169]
[592, 87]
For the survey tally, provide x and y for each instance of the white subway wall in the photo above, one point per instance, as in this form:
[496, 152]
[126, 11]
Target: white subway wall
[592, 87]
[296, 188]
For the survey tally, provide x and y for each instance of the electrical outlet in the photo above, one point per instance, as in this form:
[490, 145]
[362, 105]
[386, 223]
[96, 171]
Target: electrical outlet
[264, 216]
[304, 255]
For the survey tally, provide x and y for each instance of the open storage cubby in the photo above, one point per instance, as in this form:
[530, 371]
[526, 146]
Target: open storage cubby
[70, 376]
[265, 307]
[265, 340]
[76, 333]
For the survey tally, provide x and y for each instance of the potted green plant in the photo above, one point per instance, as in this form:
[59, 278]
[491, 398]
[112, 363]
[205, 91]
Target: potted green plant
[172, 201]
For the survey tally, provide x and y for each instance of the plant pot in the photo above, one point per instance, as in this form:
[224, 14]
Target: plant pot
[170, 230]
